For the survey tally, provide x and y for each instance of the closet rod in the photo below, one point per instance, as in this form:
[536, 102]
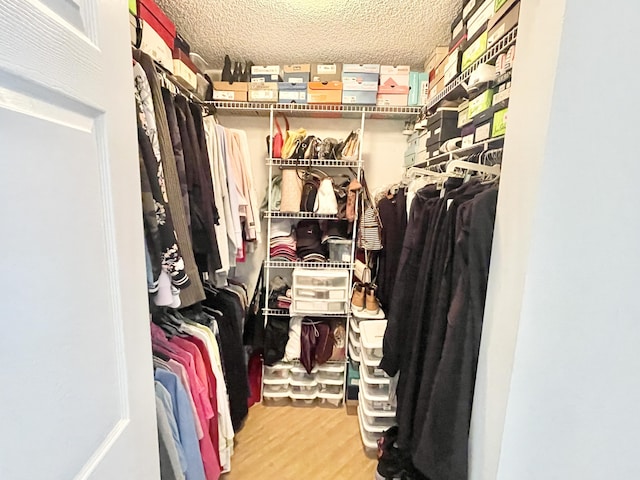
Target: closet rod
[166, 75]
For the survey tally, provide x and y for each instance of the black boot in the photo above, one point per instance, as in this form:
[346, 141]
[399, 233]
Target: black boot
[227, 76]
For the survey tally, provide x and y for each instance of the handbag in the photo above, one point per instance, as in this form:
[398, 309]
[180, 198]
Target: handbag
[327, 149]
[253, 335]
[278, 138]
[325, 201]
[276, 335]
[341, 192]
[362, 272]
[310, 186]
[351, 146]
[290, 190]
[370, 229]
[324, 343]
[292, 142]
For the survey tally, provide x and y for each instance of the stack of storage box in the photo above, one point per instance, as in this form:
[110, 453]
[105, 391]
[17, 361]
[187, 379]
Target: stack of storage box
[286, 384]
[264, 83]
[158, 33]
[325, 85]
[441, 126]
[360, 83]
[435, 66]
[394, 86]
[317, 292]
[376, 410]
[296, 81]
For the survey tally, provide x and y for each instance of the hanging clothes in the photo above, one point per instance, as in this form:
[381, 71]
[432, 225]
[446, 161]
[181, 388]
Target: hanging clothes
[433, 333]
[194, 292]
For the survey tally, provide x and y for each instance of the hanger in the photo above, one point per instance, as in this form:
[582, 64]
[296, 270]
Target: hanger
[473, 167]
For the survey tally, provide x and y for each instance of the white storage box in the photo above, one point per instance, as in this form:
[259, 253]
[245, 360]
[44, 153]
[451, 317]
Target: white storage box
[277, 371]
[306, 387]
[377, 386]
[275, 388]
[320, 278]
[333, 389]
[354, 340]
[329, 399]
[371, 337]
[330, 371]
[279, 399]
[302, 400]
[355, 325]
[369, 439]
[372, 420]
[376, 418]
[339, 250]
[353, 354]
[376, 401]
[376, 372]
[299, 374]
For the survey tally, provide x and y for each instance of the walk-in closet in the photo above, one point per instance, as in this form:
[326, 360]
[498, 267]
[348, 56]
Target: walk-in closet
[297, 239]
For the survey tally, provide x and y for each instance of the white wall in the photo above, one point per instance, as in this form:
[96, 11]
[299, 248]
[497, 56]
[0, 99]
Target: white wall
[560, 345]
[383, 152]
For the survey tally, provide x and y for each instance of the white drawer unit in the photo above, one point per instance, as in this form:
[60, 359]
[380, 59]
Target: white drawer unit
[331, 373]
[371, 337]
[376, 418]
[299, 374]
[376, 385]
[369, 438]
[318, 292]
[307, 387]
[376, 401]
[277, 371]
[331, 399]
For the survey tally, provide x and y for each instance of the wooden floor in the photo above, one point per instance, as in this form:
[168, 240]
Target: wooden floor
[288, 443]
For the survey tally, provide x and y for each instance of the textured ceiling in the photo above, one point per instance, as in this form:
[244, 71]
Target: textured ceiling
[400, 32]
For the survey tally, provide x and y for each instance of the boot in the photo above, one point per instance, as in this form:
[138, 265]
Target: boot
[246, 77]
[357, 299]
[227, 75]
[372, 303]
[237, 72]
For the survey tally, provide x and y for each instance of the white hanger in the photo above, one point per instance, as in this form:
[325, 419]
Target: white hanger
[475, 167]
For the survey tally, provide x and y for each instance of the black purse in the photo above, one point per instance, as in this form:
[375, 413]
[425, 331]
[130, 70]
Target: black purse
[310, 186]
[254, 332]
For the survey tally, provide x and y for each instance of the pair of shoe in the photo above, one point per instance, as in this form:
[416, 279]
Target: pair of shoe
[364, 297]
[394, 463]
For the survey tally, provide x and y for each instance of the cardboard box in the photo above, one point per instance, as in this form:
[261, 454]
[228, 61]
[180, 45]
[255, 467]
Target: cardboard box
[154, 45]
[424, 88]
[299, 73]
[392, 99]
[361, 68]
[290, 92]
[392, 75]
[475, 50]
[436, 88]
[359, 97]
[133, 30]
[360, 81]
[459, 41]
[263, 92]
[470, 8]
[457, 25]
[452, 66]
[502, 94]
[468, 134]
[265, 73]
[481, 103]
[184, 75]
[483, 131]
[442, 126]
[436, 58]
[463, 114]
[504, 25]
[480, 18]
[326, 72]
[179, 54]
[324, 92]
[133, 7]
[498, 4]
[499, 126]
[231, 92]
[437, 73]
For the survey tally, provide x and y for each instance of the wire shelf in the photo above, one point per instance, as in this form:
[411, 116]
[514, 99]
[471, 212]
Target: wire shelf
[300, 215]
[505, 42]
[460, 151]
[309, 265]
[279, 162]
[296, 109]
[276, 312]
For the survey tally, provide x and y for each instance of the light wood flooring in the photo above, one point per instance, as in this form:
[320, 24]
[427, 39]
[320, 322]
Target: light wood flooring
[289, 443]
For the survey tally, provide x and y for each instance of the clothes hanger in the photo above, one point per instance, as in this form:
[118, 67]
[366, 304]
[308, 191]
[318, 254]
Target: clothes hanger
[473, 167]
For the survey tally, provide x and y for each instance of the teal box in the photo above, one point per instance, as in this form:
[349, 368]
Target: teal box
[415, 83]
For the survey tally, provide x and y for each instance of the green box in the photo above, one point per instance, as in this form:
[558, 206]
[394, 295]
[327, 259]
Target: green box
[133, 6]
[499, 4]
[475, 51]
[499, 123]
[481, 103]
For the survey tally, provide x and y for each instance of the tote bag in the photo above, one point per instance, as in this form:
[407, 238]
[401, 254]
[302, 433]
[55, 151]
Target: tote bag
[290, 190]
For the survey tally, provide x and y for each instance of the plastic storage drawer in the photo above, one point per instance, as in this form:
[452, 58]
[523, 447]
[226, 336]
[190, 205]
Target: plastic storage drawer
[328, 399]
[318, 306]
[308, 387]
[277, 371]
[331, 372]
[321, 278]
[377, 386]
[369, 439]
[319, 293]
[371, 336]
[276, 387]
[373, 420]
[299, 374]
[275, 399]
[302, 400]
[376, 401]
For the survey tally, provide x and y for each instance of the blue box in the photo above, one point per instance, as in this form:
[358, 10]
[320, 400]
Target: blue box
[360, 81]
[359, 97]
[292, 92]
